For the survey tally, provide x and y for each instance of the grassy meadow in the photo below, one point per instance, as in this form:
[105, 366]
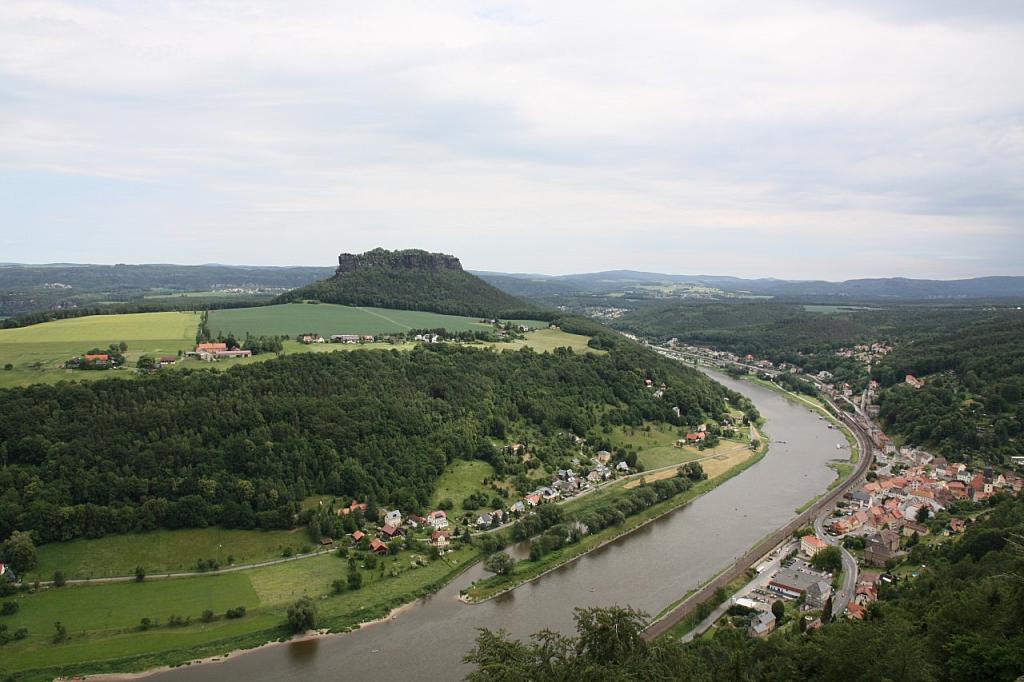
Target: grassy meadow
[292, 319]
[38, 352]
[162, 551]
[461, 479]
[103, 620]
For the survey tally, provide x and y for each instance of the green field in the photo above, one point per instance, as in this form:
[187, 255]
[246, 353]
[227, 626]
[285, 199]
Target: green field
[103, 620]
[549, 339]
[38, 351]
[459, 480]
[161, 551]
[292, 319]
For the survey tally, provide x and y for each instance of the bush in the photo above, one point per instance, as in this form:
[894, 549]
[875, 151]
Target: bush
[145, 624]
[338, 586]
[9, 608]
[207, 616]
[355, 580]
[58, 579]
[236, 612]
[60, 633]
[500, 563]
[140, 574]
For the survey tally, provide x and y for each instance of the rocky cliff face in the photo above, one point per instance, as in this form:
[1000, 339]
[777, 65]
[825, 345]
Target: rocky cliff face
[408, 259]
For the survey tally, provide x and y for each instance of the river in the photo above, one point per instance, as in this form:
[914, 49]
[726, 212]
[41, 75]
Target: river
[648, 570]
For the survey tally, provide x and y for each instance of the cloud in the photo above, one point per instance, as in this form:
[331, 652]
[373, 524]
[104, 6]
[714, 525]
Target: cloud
[535, 136]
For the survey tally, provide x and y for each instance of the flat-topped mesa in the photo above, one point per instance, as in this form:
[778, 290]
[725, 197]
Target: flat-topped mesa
[407, 259]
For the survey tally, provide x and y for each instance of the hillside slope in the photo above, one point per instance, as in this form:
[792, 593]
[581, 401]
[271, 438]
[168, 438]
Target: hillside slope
[410, 280]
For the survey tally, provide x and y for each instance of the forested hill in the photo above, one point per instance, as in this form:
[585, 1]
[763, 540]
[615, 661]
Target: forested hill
[411, 280]
[242, 448]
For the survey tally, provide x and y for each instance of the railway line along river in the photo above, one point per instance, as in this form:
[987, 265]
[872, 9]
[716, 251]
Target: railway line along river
[648, 569]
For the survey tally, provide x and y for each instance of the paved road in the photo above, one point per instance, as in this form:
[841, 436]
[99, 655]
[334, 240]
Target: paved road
[846, 591]
[666, 623]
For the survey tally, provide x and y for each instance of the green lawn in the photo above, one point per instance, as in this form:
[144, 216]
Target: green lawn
[120, 605]
[461, 479]
[38, 351]
[292, 319]
[161, 551]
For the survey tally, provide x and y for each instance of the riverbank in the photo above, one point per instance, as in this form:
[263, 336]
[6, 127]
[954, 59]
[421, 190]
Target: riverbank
[527, 571]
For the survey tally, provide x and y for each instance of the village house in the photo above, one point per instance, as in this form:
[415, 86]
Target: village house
[762, 624]
[390, 532]
[358, 535]
[881, 548]
[914, 381]
[437, 520]
[393, 518]
[440, 539]
[345, 511]
[817, 594]
[378, 547]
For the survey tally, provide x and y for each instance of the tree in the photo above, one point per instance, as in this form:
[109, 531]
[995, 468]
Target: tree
[302, 615]
[20, 552]
[355, 579]
[826, 611]
[58, 579]
[60, 633]
[8, 366]
[779, 611]
[207, 616]
[146, 362]
[123, 346]
[923, 513]
[829, 559]
[140, 574]
[500, 563]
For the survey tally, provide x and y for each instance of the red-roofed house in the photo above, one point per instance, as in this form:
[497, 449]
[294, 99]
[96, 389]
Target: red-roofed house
[697, 437]
[811, 545]
[358, 535]
[378, 547]
[440, 538]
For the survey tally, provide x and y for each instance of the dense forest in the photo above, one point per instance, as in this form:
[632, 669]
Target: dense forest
[973, 397]
[972, 358]
[962, 619]
[241, 448]
[411, 280]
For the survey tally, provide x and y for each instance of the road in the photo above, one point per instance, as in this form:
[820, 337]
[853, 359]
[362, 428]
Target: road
[677, 614]
[847, 590]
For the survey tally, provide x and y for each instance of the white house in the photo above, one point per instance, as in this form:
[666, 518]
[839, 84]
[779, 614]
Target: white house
[438, 520]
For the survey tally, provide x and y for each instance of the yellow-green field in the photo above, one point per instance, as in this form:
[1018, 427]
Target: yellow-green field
[549, 339]
[39, 351]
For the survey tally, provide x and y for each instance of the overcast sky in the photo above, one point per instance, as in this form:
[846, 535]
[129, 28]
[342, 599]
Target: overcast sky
[828, 139]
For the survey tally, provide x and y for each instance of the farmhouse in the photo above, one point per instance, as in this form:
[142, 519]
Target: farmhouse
[378, 547]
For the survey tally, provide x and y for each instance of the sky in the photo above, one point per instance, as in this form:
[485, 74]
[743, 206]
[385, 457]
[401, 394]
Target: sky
[830, 139]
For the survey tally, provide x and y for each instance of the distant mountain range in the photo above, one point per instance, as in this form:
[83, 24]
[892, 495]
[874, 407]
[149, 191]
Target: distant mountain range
[876, 289]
